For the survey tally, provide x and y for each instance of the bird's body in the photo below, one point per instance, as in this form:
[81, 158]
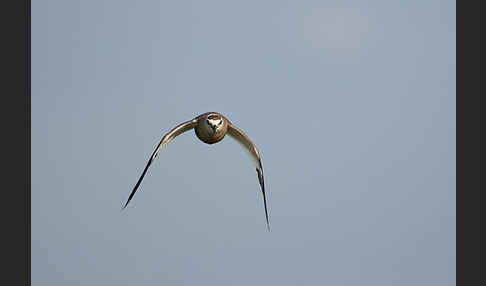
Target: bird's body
[210, 128]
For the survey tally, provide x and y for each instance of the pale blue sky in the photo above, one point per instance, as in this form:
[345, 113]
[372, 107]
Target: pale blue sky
[351, 104]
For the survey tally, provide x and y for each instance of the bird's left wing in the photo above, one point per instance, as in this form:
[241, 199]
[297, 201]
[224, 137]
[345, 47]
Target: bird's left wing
[246, 143]
[179, 129]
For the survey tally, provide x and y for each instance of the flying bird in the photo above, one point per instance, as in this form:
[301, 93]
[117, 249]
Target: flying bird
[210, 128]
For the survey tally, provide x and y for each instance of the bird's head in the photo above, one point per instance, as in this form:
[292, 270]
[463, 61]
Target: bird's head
[211, 127]
[215, 122]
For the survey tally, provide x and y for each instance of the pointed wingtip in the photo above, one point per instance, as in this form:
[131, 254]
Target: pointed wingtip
[266, 216]
[123, 207]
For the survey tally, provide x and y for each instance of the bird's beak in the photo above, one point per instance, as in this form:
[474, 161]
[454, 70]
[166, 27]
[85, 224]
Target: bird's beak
[213, 127]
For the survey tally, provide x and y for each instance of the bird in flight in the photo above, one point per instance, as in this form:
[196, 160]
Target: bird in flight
[210, 128]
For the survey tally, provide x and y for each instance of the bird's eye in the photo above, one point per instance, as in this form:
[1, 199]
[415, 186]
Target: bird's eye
[220, 122]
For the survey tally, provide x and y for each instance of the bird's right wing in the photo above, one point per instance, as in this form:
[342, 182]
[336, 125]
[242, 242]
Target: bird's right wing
[179, 129]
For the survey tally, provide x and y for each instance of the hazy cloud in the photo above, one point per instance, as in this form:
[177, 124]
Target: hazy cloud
[336, 29]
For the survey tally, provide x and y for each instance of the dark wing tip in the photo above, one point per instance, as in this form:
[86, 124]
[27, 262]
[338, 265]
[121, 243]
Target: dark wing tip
[123, 207]
[126, 203]
[138, 182]
[262, 185]
[268, 224]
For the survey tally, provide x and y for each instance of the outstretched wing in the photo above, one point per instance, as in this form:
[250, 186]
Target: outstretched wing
[246, 143]
[179, 129]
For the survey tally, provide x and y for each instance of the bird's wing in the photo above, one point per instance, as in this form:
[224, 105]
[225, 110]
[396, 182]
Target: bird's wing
[179, 129]
[246, 143]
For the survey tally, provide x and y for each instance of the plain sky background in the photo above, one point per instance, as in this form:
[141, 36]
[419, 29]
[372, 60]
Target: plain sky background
[351, 104]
